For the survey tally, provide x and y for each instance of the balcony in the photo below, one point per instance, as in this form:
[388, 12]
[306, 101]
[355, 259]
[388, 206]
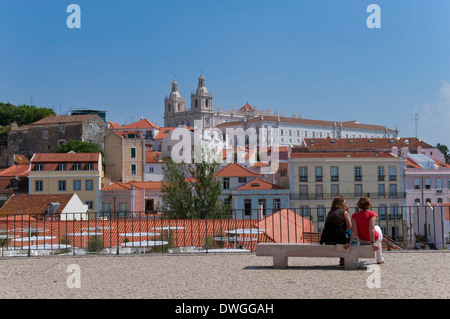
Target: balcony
[329, 196]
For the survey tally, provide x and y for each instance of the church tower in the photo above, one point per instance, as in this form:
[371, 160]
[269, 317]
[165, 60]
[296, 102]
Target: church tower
[202, 104]
[173, 105]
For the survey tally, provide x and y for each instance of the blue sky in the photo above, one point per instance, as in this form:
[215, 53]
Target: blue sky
[317, 58]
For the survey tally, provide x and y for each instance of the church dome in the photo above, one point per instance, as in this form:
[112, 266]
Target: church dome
[175, 95]
[202, 91]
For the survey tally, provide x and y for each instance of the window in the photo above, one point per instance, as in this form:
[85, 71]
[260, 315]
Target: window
[242, 179]
[381, 190]
[318, 173]
[394, 211]
[62, 167]
[428, 200]
[226, 183]
[427, 183]
[150, 169]
[334, 190]
[61, 186]
[393, 190]
[439, 200]
[133, 169]
[133, 152]
[319, 191]
[91, 127]
[334, 173]
[89, 184]
[247, 207]
[106, 207]
[392, 173]
[122, 207]
[44, 134]
[382, 210]
[381, 173]
[303, 192]
[416, 183]
[39, 167]
[439, 185]
[303, 173]
[276, 204]
[262, 202]
[321, 213]
[417, 201]
[77, 185]
[90, 204]
[77, 167]
[90, 166]
[358, 189]
[358, 173]
[61, 128]
[304, 211]
[38, 186]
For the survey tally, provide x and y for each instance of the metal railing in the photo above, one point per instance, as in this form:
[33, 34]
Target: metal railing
[205, 231]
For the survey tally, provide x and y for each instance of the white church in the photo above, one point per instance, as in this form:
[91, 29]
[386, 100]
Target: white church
[291, 130]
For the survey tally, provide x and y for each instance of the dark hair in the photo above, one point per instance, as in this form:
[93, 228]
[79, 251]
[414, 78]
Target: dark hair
[337, 202]
[364, 203]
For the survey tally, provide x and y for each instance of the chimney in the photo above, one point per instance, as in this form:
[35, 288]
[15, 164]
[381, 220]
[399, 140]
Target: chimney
[405, 152]
[394, 150]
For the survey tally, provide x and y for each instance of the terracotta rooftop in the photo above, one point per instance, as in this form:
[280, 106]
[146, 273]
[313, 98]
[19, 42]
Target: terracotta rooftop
[259, 184]
[343, 155]
[164, 131]
[52, 119]
[16, 170]
[347, 144]
[141, 124]
[247, 107]
[137, 185]
[153, 157]
[33, 204]
[302, 121]
[65, 157]
[113, 125]
[235, 170]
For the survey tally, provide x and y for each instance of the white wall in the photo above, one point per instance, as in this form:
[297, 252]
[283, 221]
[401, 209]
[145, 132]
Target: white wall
[75, 210]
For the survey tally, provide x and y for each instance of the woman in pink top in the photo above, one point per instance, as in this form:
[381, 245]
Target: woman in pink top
[363, 225]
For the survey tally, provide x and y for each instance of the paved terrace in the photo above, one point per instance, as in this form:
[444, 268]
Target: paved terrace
[406, 274]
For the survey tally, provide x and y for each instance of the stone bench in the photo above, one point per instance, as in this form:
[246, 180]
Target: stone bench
[281, 251]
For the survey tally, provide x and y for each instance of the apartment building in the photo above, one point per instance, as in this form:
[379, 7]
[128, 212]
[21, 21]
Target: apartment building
[68, 173]
[125, 156]
[315, 178]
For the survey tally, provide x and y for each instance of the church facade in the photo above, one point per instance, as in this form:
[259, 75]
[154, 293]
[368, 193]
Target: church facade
[291, 130]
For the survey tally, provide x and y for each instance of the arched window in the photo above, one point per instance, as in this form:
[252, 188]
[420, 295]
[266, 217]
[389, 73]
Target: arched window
[169, 107]
[196, 103]
[206, 103]
[428, 200]
[417, 201]
[439, 200]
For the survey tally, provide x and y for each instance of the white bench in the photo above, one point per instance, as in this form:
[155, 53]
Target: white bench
[281, 251]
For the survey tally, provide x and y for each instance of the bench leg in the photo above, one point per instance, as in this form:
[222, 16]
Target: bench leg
[351, 263]
[280, 262]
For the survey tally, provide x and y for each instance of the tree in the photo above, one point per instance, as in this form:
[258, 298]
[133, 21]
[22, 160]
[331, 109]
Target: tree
[22, 114]
[195, 197]
[78, 147]
[444, 149]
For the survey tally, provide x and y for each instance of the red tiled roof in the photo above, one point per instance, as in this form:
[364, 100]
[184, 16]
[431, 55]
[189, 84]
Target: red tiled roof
[386, 144]
[153, 157]
[259, 184]
[65, 157]
[16, 170]
[113, 125]
[143, 123]
[33, 204]
[164, 131]
[247, 107]
[343, 155]
[137, 185]
[235, 170]
[52, 119]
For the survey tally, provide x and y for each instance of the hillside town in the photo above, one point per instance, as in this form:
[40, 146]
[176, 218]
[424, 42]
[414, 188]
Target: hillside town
[316, 160]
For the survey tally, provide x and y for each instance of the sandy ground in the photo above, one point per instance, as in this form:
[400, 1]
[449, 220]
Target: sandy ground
[223, 276]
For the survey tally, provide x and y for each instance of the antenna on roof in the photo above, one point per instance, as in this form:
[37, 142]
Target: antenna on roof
[417, 122]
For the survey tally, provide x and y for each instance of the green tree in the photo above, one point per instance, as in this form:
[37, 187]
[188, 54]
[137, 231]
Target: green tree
[196, 197]
[78, 147]
[22, 114]
[444, 149]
